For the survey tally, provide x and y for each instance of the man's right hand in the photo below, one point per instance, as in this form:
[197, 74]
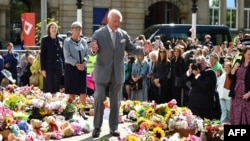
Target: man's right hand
[94, 46]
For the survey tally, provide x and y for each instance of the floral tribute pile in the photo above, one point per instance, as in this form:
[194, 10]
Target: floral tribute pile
[163, 122]
[28, 114]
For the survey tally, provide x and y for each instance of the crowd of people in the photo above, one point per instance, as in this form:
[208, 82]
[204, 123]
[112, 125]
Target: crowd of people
[213, 80]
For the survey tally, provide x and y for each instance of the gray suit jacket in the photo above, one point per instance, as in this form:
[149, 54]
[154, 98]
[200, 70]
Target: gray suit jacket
[109, 60]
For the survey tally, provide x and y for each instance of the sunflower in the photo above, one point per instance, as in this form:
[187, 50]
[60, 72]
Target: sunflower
[132, 138]
[150, 112]
[136, 102]
[158, 133]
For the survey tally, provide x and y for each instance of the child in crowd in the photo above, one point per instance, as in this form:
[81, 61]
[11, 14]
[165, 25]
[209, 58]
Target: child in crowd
[223, 90]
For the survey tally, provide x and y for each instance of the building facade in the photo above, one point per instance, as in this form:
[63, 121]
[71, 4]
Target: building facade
[137, 14]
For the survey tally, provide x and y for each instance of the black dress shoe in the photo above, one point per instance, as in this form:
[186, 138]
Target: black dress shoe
[96, 133]
[115, 133]
[83, 115]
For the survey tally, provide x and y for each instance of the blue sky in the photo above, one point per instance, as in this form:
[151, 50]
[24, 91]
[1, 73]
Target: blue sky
[230, 3]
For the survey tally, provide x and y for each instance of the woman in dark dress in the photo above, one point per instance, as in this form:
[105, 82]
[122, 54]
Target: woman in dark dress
[240, 91]
[75, 53]
[178, 73]
[160, 72]
[52, 59]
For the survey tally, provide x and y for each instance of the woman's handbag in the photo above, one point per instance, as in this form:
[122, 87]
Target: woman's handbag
[34, 79]
[136, 85]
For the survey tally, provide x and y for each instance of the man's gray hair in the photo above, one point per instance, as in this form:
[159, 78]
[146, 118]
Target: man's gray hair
[114, 12]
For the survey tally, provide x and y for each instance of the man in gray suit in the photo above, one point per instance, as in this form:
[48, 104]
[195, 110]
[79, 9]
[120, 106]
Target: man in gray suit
[109, 43]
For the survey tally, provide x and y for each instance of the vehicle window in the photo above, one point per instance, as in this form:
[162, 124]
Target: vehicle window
[166, 32]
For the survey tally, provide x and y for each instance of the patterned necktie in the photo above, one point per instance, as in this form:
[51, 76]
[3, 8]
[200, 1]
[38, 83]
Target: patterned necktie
[113, 37]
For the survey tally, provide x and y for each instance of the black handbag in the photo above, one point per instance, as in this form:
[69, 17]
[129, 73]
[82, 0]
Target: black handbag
[136, 85]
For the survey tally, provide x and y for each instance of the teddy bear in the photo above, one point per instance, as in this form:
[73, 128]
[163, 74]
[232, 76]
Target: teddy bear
[51, 121]
[67, 130]
[13, 137]
[36, 125]
[77, 128]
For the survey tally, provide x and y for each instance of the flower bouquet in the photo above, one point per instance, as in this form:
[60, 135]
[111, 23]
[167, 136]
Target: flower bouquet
[68, 109]
[6, 118]
[15, 102]
[214, 130]
[184, 122]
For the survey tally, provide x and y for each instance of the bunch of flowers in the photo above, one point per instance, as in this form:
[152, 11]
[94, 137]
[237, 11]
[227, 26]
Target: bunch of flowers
[127, 106]
[28, 90]
[6, 115]
[214, 130]
[183, 118]
[11, 88]
[167, 109]
[69, 106]
[15, 101]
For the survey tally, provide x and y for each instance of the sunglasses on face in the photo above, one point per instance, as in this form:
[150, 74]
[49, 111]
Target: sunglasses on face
[162, 51]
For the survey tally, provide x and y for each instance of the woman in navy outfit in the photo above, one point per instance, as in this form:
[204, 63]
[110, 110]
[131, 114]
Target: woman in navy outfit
[52, 59]
[11, 60]
[75, 54]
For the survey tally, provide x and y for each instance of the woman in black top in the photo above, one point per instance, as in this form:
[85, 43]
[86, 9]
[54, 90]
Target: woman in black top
[52, 59]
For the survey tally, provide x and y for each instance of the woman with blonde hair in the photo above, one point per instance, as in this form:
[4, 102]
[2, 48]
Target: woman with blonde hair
[139, 77]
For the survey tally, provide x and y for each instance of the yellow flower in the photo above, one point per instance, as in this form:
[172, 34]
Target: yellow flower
[167, 116]
[12, 96]
[81, 106]
[140, 120]
[132, 138]
[150, 112]
[185, 109]
[158, 133]
[136, 102]
[44, 112]
[27, 102]
[8, 119]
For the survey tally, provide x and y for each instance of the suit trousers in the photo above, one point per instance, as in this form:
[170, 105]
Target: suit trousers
[115, 96]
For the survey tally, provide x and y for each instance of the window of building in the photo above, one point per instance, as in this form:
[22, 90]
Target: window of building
[231, 14]
[214, 13]
[247, 15]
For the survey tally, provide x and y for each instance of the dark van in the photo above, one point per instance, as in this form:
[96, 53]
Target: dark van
[218, 33]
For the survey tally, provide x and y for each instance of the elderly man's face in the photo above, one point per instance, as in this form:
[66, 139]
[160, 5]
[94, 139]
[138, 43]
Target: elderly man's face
[202, 63]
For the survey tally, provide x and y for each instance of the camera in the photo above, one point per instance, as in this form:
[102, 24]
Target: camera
[195, 66]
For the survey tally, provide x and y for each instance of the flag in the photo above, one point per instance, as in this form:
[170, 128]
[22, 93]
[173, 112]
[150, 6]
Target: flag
[28, 28]
[191, 29]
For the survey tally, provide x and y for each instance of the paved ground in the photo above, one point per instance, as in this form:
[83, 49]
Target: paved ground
[104, 134]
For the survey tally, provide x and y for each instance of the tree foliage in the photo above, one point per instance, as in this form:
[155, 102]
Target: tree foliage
[39, 30]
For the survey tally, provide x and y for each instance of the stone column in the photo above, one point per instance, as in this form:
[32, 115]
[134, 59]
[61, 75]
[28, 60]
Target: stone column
[223, 11]
[240, 13]
[3, 25]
